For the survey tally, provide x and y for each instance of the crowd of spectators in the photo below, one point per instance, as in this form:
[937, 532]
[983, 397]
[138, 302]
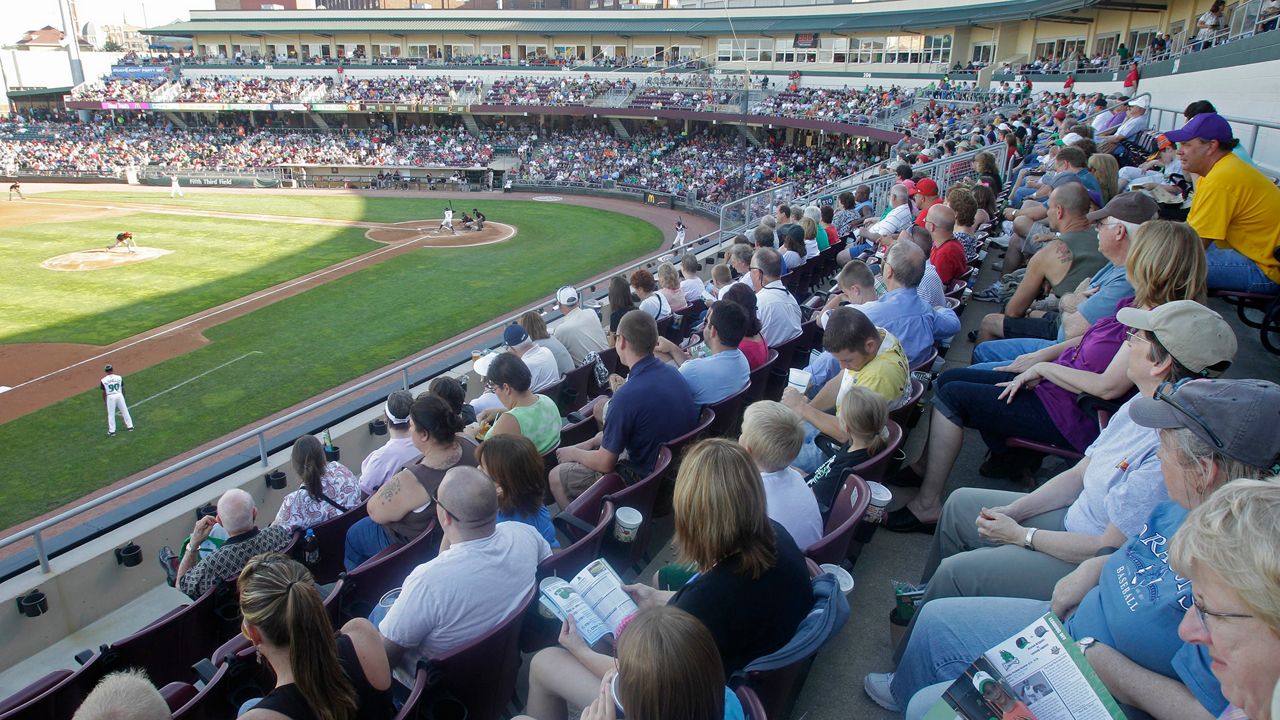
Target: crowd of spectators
[554, 91]
[90, 147]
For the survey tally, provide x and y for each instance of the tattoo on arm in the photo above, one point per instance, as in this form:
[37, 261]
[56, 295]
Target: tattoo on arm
[1064, 252]
[389, 489]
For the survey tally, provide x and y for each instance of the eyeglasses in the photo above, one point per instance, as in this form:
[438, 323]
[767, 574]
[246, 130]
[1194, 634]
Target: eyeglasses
[1165, 393]
[753, 268]
[490, 385]
[1203, 615]
[1133, 335]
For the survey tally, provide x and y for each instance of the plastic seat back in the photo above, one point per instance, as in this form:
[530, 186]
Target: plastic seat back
[875, 466]
[728, 414]
[760, 378]
[363, 587]
[332, 537]
[847, 511]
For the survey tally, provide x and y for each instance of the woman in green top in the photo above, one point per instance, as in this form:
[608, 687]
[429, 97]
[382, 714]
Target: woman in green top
[531, 415]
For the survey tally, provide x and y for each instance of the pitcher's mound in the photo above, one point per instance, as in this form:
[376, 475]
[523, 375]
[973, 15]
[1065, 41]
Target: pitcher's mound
[101, 259]
[428, 233]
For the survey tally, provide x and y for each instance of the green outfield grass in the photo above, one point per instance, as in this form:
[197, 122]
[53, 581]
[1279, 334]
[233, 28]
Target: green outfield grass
[300, 346]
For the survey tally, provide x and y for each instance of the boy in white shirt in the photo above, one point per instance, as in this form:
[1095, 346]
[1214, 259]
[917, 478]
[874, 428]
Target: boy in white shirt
[773, 434]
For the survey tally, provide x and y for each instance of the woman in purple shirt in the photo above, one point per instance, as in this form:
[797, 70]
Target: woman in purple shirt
[1034, 397]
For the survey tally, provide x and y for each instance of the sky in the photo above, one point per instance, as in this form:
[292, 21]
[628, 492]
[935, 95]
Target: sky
[23, 15]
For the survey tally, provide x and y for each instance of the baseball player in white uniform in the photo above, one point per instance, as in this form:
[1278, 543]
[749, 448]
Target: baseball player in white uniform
[175, 190]
[448, 221]
[113, 394]
[679, 232]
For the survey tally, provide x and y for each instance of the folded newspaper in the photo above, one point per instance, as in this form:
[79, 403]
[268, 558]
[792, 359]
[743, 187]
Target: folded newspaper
[594, 597]
[1038, 674]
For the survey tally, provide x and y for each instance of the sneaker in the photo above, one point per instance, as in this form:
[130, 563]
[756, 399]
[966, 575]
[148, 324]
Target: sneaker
[1001, 241]
[110, 434]
[991, 294]
[876, 685]
[169, 561]
[130, 429]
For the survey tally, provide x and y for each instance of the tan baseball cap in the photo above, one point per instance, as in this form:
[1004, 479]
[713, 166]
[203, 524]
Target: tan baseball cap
[1196, 336]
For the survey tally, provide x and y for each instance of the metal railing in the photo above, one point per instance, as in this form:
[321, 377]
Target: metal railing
[1260, 138]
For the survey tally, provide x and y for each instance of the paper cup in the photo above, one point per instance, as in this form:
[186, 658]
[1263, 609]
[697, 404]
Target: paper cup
[626, 524]
[842, 576]
[881, 496]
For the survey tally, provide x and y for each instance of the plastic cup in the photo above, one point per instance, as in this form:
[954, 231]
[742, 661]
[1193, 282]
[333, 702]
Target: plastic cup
[626, 524]
[842, 576]
[881, 496]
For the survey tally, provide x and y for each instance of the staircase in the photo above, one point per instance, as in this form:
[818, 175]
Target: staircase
[618, 129]
[473, 127]
[750, 134]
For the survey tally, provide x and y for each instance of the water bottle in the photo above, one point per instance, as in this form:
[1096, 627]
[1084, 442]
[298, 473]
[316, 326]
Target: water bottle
[310, 549]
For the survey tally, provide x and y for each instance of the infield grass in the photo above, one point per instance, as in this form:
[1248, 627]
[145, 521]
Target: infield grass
[307, 343]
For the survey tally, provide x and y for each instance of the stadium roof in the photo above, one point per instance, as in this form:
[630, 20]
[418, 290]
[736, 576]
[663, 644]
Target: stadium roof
[889, 14]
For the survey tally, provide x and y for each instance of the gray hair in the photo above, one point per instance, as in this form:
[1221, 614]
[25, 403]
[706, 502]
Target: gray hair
[769, 262]
[769, 221]
[124, 695]
[813, 212]
[907, 262]
[899, 192]
[1192, 454]
[235, 511]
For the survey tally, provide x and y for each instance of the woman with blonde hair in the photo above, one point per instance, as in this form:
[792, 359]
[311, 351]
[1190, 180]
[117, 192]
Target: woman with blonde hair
[864, 414]
[1106, 169]
[751, 588]
[667, 667]
[1034, 397]
[669, 286]
[810, 227]
[319, 675]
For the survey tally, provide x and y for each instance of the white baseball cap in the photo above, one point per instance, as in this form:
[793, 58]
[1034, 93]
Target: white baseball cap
[567, 296]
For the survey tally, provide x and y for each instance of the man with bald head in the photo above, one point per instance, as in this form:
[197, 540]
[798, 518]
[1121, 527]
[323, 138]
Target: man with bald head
[482, 574]
[947, 254]
[237, 515]
[1069, 257]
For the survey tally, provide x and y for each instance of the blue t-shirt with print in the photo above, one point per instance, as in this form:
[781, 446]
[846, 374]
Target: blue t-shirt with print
[540, 521]
[1138, 604]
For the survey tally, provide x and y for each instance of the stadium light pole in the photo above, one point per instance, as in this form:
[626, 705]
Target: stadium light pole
[73, 43]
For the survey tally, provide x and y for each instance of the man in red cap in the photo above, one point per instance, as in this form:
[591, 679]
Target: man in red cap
[1236, 209]
[926, 196]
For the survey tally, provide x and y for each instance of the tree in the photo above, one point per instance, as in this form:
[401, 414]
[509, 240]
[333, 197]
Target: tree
[112, 46]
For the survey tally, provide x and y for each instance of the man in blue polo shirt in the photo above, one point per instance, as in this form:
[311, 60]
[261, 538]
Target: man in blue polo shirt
[652, 407]
[725, 371]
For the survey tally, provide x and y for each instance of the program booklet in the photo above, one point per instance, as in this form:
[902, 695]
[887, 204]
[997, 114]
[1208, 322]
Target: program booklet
[594, 597]
[1038, 674]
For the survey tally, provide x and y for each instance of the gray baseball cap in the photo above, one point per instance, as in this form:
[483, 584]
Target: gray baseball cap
[1241, 418]
[1131, 207]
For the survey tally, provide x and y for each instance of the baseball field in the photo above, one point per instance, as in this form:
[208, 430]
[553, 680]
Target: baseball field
[237, 305]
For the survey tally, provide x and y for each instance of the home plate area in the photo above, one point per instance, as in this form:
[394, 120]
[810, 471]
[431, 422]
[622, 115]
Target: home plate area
[428, 232]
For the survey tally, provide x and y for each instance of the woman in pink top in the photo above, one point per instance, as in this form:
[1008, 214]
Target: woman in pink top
[669, 286]
[328, 488]
[752, 345]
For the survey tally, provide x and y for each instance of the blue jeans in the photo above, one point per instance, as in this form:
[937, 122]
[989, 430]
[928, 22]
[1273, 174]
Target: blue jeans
[1006, 350]
[811, 456]
[951, 633]
[1229, 270]
[365, 538]
[1022, 195]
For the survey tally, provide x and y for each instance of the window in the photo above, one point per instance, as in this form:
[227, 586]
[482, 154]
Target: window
[1058, 49]
[419, 51]
[984, 53]
[537, 5]
[904, 49]
[386, 50]
[1105, 45]
[455, 50]
[833, 50]
[746, 49]
[868, 50]
[937, 49]
[1140, 40]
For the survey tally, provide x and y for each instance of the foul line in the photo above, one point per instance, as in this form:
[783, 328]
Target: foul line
[191, 380]
[213, 313]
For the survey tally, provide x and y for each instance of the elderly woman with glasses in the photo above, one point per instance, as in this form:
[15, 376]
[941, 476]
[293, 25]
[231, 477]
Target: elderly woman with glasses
[1130, 601]
[1226, 548]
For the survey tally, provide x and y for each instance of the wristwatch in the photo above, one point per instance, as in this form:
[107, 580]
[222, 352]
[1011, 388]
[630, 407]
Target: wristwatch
[1085, 643]
[1029, 541]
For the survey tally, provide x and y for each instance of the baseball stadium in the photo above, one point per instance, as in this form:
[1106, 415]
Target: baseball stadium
[908, 357]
